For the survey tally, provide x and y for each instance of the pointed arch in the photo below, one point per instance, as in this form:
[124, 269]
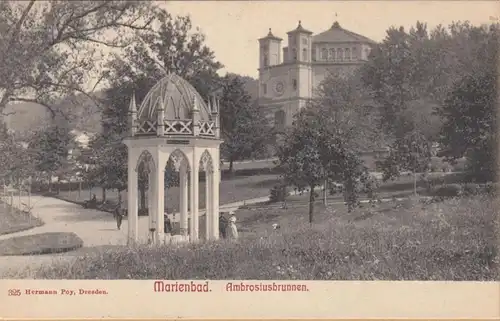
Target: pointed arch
[179, 159]
[206, 162]
[147, 159]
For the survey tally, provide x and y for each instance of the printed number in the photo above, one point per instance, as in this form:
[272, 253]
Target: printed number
[14, 292]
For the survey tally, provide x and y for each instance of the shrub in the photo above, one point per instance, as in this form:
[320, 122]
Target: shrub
[471, 189]
[448, 190]
[278, 193]
[44, 243]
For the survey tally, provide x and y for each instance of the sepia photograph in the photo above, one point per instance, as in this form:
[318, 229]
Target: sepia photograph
[248, 140]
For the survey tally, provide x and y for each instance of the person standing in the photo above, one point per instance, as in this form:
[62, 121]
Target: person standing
[118, 216]
[167, 224]
[232, 230]
[222, 225]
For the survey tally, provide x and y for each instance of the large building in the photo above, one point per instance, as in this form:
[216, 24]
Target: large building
[288, 76]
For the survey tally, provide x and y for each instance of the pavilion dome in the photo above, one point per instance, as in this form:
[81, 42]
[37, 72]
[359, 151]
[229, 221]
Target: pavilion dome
[177, 96]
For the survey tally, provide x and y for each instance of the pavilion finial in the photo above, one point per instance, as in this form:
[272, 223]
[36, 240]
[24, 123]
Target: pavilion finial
[132, 107]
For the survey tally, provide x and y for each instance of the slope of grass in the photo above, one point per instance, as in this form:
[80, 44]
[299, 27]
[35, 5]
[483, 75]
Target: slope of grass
[453, 240]
[13, 220]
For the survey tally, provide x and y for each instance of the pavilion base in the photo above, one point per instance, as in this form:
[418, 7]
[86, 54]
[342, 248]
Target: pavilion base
[175, 239]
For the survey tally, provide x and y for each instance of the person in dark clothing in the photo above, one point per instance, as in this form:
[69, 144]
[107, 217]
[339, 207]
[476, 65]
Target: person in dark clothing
[222, 225]
[167, 224]
[118, 216]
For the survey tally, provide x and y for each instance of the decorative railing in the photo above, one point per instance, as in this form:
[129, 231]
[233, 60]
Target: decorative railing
[176, 127]
[207, 128]
[147, 128]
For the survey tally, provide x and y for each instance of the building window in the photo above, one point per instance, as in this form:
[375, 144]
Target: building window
[294, 54]
[354, 54]
[304, 41]
[266, 60]
[324, 54]
[313, 54]
[294, 84]
[347, 55]
[340, 54]
[304, 54]
[331, 55]
[367, 53]
[264, 89]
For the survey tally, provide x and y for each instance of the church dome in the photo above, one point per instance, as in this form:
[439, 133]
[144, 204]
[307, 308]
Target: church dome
[177, 96]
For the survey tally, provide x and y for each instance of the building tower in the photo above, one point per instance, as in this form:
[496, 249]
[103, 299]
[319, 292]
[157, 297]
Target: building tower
[269, 55]
[300, 57]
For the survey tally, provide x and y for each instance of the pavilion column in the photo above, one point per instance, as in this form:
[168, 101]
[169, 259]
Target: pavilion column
[183, 220]
[194, 225]
[132, 201]
[151, 203]
[214, 191]
[208, 205]
[159, 179]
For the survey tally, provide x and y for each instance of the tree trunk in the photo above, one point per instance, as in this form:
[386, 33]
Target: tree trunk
[103, 195]
[311, 204]
[231, 166]
[415, 183]
[325, 192]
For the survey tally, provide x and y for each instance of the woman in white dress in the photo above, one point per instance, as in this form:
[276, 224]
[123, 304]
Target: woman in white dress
[232, 231]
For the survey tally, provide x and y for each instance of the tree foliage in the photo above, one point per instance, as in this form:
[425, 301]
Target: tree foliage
[410, 76]
[50, 148]
[244, 128]
[15, 163]
[470, 124]
[49, 49]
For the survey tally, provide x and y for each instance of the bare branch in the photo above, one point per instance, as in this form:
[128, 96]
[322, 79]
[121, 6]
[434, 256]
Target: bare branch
[52, 111]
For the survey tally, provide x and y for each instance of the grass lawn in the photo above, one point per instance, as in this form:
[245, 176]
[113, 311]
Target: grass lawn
[13, 220]
[43, 243]
[408, 240]
[231, 190]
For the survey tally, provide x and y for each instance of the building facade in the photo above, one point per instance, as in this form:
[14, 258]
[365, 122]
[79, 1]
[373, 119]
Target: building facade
[289, 75]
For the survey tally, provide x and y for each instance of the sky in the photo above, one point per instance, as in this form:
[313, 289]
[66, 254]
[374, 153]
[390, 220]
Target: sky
[233, 27]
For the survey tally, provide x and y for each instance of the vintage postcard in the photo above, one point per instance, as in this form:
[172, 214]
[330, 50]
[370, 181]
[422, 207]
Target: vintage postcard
[249, 159]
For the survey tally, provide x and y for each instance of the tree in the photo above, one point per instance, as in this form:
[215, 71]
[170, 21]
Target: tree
[49, 49]
[469, 112]
[244, 128]
[406, 79]
[326, 141]
[470, 124]
[50, 150]
[15, 164]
